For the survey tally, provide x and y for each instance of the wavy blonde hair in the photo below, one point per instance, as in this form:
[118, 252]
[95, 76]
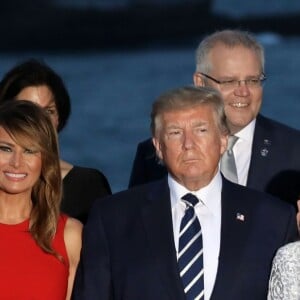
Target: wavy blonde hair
[29, 126]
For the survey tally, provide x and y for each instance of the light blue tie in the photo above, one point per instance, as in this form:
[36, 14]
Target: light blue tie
[228, 166]
[190, 251]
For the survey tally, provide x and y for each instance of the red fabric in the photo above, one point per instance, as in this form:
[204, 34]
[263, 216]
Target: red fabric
[26, 271]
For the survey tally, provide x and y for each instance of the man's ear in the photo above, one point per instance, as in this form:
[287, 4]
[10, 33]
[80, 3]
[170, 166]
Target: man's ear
[198, 79]
[224, 141]
[157, 146]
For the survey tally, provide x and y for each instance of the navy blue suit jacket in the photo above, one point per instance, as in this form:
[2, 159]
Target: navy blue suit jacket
[274, 165]
[129, 252]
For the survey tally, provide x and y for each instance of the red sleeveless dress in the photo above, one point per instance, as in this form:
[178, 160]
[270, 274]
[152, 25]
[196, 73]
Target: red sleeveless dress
[26, 271]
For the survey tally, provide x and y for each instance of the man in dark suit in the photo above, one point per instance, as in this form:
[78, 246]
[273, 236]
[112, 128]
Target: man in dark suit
[267, 152]
[191, 235]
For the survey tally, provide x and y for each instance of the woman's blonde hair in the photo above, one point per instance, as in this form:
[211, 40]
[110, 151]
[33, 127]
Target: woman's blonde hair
[29, 126]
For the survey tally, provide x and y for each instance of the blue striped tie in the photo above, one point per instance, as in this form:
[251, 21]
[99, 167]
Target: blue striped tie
[190, 251]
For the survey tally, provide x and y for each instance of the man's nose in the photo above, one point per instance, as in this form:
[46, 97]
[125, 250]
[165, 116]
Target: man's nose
[242, 89]
[188, 141]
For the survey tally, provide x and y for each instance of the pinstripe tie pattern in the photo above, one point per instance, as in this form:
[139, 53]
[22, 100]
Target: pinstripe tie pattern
[190, 251]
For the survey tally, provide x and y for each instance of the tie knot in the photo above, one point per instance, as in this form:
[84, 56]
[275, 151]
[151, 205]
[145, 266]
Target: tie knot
[232, 139]
[191, 199]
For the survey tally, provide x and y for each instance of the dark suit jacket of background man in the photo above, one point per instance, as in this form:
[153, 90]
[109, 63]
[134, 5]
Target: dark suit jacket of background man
[274, 166]
[129, 251]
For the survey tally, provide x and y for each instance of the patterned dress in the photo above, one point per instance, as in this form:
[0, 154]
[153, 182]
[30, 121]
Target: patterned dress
[285, 275]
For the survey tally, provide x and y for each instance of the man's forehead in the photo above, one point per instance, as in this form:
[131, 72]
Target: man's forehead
[195, 113]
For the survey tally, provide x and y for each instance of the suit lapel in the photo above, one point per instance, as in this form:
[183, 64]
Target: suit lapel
[234, 227]
[262, 148]
[157, 218]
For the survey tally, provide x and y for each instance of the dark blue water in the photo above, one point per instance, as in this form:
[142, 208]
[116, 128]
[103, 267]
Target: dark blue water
[112, 95]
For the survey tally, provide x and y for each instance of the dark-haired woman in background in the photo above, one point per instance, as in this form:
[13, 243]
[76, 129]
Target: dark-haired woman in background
[35, 81]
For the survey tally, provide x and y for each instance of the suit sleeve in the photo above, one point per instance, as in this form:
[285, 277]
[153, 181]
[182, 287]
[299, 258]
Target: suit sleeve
[138, 171]
[292, 233]
[146, 166]
[93, 276]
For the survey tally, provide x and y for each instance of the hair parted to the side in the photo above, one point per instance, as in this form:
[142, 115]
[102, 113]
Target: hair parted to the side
[29, 126]
[230, 39]
[185, 98]
[32, 73]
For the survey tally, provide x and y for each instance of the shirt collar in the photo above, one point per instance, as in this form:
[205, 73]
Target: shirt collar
[210, 195]
[247, 132]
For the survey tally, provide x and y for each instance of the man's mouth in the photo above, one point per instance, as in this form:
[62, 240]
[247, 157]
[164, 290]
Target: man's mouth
[239, 104]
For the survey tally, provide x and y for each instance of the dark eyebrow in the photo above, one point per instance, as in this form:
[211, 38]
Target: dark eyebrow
[6, 143]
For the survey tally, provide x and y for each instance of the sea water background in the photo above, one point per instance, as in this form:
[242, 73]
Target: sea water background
[112, 94]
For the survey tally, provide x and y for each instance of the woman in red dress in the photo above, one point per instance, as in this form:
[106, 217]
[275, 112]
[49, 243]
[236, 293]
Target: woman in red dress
[40, 247]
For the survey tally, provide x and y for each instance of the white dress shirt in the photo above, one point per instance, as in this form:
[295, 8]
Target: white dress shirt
[242, 152]
[208, 211]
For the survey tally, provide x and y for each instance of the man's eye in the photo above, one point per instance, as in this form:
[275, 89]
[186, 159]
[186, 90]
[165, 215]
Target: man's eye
[253, 81]
[175, 132]
[200, 130]
[229, 82]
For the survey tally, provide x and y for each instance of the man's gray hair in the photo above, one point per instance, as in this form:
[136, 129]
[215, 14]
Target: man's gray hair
[230, 39]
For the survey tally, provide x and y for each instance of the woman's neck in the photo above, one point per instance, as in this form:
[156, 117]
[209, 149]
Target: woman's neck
[65, 168]
[14, 208]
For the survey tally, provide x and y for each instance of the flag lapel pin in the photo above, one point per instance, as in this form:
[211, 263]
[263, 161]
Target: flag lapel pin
[240, 217]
